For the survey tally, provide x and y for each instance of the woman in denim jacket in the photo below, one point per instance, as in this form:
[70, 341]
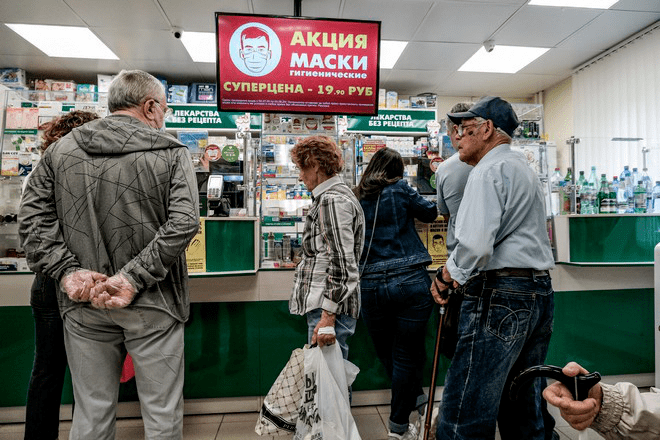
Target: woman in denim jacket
[396, 303]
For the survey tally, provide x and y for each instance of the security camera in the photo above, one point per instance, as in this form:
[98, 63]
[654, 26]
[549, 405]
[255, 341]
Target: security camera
[489, 45]
[177, 32]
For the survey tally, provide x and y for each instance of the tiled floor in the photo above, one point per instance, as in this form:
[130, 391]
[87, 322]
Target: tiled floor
[371, 422]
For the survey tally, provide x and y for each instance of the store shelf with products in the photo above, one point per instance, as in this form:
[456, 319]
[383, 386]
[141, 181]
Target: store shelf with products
[223, 147]
[404, 130]
[23, 115]
[222, 144]
[284, 200]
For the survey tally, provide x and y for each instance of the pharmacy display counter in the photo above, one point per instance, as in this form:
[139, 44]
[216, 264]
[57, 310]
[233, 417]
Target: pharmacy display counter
[240, 334]
[604, 284]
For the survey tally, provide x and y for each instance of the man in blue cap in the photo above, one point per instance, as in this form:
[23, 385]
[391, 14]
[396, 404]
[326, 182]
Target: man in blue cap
[500, 265]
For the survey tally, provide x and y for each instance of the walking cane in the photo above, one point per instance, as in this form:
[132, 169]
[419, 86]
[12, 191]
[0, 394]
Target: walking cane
[436, 355]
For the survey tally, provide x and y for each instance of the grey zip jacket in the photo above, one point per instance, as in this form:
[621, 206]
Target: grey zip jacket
[114, 195]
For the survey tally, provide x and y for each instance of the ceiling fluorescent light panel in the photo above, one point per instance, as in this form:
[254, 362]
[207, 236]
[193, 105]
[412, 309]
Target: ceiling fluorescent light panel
[64, 41]
[502, 59]
[200, 46]
[390, 51]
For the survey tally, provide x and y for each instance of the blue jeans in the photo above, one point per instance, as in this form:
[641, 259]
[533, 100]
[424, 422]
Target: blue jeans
[504, 328]
[396, 306]
[42, 410]
[344, 328]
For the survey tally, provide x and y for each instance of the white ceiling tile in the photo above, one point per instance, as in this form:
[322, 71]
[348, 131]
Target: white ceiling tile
[470, 84]
[199, 15]
[557, 62]
[636, 5]
[309, 8]
[608, 29]
[154, 45]
[435, 56]
[523, 84]
[541, 26]
[411, 82]
[400, 19]
[38, 12]
[463, 21]
[119, 14]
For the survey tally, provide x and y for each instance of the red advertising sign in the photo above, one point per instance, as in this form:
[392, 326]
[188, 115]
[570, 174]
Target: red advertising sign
[297, 65]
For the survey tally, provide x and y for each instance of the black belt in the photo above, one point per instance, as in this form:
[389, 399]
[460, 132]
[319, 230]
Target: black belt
[515, 272]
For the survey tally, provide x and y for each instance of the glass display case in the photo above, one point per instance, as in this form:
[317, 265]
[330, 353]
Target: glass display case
[24, 113]
[284, 199]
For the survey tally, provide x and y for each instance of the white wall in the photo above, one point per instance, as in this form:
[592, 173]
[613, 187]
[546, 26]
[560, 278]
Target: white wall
[619, 97]
[558, 118]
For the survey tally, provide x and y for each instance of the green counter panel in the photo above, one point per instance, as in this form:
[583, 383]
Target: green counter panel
[238, 349]
[606, 331]
[613, 239]
[229, 245]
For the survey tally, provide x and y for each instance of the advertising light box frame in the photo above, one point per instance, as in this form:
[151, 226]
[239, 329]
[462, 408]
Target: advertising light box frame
[278, 64]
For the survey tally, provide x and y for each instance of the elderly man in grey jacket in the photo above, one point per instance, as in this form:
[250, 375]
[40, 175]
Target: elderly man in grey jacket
[108, 212]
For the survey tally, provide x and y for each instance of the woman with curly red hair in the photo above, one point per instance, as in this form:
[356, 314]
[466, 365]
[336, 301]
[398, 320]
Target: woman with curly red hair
[326, 282]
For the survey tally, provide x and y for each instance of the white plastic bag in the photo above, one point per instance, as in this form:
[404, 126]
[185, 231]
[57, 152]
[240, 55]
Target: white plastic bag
[325, 413]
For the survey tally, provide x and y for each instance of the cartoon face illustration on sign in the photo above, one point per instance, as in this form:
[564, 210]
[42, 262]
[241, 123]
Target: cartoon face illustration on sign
[255, 49]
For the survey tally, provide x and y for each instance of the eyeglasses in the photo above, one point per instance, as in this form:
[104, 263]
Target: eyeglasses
[460, 128]
[167, 112]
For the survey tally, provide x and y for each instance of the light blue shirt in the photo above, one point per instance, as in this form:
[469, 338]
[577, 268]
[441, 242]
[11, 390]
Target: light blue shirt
[501, 220]
[450, 179]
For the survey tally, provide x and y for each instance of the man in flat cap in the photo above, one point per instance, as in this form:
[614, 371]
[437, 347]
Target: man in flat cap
[500, 265]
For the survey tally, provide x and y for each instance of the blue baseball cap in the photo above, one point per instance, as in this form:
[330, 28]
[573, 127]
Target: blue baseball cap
[491, 107]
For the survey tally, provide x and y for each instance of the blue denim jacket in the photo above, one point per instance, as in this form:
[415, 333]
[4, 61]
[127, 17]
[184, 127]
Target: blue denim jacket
[396, 243]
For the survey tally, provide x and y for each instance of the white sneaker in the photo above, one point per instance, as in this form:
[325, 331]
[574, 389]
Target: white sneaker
[411, 434]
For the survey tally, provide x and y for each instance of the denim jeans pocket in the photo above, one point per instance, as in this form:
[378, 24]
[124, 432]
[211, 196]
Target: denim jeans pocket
[509, 314]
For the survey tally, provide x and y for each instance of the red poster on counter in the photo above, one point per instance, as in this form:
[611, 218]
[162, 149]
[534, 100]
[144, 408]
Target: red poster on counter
[297, 65]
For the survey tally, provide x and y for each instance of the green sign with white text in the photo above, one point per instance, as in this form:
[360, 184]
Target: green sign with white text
[207, 117]
[400, 121]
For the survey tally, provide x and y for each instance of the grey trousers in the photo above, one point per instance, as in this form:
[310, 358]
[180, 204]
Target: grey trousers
[96, 343]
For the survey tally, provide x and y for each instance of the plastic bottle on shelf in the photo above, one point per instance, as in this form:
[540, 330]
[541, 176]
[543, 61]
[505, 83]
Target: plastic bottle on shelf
[593, 177]
[592, 205]
[629, 189]
[621, 198]
[603, 196]
[648, 186]
[635, 176]
[555, 183]
[655, 199]
[612, 195]
[625, 173]
[566, 194]
[586, 199]
[640, 198]
[579, 184]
